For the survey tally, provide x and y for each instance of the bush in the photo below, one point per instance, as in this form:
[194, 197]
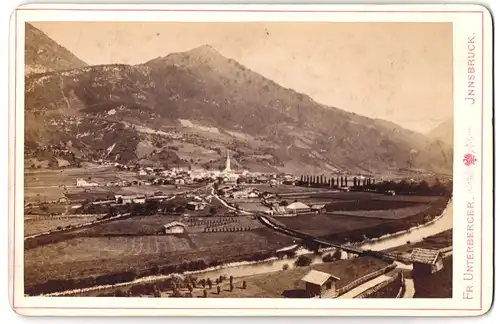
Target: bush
[303, 261]
[328, 258]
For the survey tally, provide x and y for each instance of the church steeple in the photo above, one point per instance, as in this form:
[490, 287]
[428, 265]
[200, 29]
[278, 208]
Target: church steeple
[228, 163]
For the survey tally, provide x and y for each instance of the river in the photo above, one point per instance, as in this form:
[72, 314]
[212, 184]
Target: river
[243, 269]
[414, 235]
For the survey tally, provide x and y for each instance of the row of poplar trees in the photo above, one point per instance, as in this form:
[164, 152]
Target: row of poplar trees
[339, 181]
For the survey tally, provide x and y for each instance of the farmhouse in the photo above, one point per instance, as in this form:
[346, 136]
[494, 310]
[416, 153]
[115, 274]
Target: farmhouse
[63, 200]
[174, 228]
[297, 207]
[318, 208]
[426, 261]
[195, 205]
[320, 284]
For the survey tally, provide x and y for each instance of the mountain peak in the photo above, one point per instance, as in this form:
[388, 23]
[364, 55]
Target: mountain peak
[204, 51]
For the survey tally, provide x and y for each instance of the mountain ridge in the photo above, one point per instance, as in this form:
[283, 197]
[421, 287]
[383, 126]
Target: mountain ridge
[42, 54]
[190, 107]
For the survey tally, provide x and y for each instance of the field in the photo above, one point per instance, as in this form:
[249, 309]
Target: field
[326, 224]
[47, 185]
[396, 213]
[367, 217]
[44, 224]
[283, 189]
[92, 256]
[287, 283]
[151, 225]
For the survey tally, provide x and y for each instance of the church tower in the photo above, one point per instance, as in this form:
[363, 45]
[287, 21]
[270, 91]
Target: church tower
[228, 163]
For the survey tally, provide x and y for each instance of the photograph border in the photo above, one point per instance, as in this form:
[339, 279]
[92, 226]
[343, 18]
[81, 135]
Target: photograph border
[483, 306]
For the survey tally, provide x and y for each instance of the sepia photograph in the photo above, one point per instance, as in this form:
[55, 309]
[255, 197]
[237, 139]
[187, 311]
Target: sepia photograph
[216, 160]
[264, 161]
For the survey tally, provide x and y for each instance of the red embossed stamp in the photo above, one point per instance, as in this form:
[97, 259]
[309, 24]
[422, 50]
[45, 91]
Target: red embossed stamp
[469, 159]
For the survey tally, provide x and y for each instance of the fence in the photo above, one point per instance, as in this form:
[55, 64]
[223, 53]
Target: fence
[381, 285]
[365, 278]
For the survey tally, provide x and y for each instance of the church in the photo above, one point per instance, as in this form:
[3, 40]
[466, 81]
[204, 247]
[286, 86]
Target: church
[227, 174]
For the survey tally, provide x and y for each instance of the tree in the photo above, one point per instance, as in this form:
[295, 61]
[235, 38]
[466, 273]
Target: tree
[285, 267]
[231, 279]
[213, 210]
[209, 283]
[190, 288]
[231, 287]
[244, 285]
[303, 261]
[218, 290]
[205, 293]
[337, 255]
[328, 258]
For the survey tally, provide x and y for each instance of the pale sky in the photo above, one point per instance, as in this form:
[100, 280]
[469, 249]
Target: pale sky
[401, 72]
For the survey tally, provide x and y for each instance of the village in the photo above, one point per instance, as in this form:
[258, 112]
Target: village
[314, 230]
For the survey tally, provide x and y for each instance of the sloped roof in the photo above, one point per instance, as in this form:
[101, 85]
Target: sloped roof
[297, 205]
[318, 277]
[426, 256]
[279, 209]
[318, 206]
[174, 224]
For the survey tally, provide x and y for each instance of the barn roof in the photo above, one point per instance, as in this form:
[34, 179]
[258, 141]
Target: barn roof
[297, 205]
[174, 224]
[279, 209]
[426, 256]
[318, 277]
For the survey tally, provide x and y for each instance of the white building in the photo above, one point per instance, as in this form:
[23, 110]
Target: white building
[175, 228]
[297, 207]
[195, 205]
[83, 183]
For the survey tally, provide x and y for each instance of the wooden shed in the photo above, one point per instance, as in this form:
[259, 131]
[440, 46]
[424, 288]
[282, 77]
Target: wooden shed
[426, 261]
[320, 283]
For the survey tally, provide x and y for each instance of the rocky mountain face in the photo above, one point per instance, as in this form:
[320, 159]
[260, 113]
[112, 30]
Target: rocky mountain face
[42, 54]
[443, 132]
[191, 108]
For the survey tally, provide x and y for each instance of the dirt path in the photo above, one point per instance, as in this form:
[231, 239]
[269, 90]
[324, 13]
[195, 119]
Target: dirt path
[409, 288]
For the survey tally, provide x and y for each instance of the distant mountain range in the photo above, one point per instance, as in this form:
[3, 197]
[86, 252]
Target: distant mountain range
[443, 132]
[190, 108]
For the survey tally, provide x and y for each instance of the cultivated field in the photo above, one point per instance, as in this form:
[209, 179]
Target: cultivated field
[43, 224]
[92, 256]
[47, 185]
[325, 224]
[283, 189]
[396, 213]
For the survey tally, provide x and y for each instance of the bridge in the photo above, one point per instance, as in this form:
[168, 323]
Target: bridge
[347, 248]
